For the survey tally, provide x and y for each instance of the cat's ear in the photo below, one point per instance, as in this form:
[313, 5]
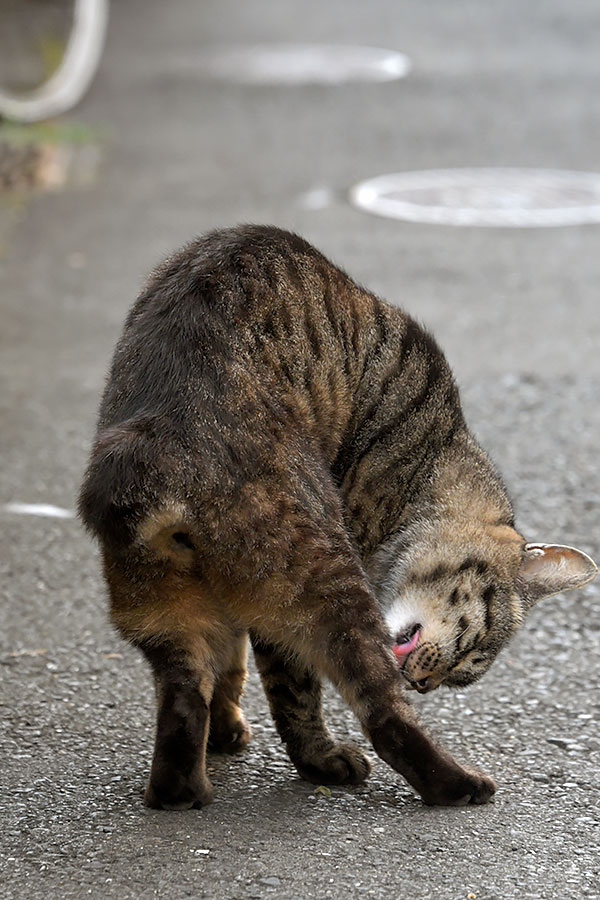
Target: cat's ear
[551, 569]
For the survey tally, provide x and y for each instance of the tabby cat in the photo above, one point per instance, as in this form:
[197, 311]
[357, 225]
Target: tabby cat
[281, 454]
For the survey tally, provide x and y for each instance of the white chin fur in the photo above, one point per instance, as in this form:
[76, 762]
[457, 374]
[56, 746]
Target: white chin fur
[401, 615]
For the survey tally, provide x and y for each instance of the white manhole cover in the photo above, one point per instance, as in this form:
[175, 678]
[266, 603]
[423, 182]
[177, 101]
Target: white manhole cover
[297, 64]
[511, 198]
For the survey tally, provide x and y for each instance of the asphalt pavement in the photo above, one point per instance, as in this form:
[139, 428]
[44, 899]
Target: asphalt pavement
[492, 84]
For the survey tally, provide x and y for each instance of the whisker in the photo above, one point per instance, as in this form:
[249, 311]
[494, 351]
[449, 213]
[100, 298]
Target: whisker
[451, 643]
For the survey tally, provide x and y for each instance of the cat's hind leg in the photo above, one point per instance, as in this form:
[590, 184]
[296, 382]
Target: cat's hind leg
[181, 630]
[294, 695]
[229, 731]
[184, 687]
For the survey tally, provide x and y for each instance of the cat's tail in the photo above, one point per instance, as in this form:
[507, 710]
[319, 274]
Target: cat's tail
[124, 499]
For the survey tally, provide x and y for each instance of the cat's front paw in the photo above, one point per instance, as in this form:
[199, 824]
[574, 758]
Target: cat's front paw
[228, 736]
[459, 787]
[339, 764]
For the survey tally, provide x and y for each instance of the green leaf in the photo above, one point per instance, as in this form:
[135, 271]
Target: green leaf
[323, 790]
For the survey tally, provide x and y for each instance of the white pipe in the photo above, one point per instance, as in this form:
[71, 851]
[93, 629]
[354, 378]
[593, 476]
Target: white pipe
[65, 88]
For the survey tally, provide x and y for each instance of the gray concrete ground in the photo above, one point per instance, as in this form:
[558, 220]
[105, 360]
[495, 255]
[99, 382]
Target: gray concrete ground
[517, 312]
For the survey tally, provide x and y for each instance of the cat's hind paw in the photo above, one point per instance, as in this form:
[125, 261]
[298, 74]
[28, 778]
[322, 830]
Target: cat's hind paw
[173, 791]
[339, 764]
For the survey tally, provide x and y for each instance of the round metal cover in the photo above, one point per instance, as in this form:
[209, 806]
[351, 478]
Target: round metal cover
[298, 64]
[510, 198]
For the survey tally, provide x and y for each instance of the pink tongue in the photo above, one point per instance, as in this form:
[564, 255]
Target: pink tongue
[402, 650]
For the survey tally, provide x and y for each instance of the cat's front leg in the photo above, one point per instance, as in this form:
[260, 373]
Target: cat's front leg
[294, 695]
[347, 642]
[363, 667]
[434, 774]
[318, 609]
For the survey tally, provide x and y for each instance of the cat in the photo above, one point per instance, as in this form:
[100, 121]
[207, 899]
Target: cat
[282, 454]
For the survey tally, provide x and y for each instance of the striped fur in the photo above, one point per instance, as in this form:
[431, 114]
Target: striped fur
[281, 453]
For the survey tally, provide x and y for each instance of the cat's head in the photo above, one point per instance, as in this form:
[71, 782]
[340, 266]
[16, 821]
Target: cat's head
[453, 595]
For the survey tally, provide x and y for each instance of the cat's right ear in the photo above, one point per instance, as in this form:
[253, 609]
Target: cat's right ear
[549, 569]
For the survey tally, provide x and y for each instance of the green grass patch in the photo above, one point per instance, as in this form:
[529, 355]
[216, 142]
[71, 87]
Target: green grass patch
[48, 133]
